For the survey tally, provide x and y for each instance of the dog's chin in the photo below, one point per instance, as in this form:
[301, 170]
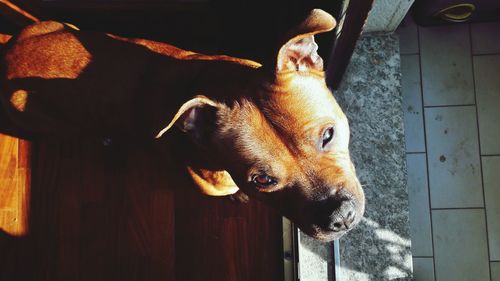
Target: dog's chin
[323, 235]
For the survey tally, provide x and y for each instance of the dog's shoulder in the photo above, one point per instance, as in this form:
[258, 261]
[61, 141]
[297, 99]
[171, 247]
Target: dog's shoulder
[42, 28]
[46, 49]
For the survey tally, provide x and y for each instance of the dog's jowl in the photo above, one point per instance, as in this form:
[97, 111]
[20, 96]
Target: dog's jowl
[273, 131]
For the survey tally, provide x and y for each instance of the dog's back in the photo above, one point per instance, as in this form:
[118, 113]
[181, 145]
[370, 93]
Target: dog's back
[58, 80]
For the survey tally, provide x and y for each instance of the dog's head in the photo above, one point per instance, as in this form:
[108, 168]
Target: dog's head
[285, 144]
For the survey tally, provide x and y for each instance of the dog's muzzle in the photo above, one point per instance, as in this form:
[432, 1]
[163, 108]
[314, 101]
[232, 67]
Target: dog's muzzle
[334, 216]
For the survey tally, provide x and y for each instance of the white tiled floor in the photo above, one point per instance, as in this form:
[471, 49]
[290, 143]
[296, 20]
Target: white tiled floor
[423, 269]
[460, 247]
[491, 175]
[485, 39]
[487, 73]
[419, 206]
[495, 271]
[412, 103]
[451, 90]
[446, 65]
[453, 157]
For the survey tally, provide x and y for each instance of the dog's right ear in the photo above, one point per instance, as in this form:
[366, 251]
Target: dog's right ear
[194, 117]
[298, 51]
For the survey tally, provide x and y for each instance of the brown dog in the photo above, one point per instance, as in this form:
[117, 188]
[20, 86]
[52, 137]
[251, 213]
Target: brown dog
[274, 132]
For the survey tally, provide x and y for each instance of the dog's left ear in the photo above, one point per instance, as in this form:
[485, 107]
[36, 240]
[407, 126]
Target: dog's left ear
[299, 51]
[194, 117]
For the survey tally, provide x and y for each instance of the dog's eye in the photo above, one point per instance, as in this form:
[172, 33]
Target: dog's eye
[264, 181]
[327, 136]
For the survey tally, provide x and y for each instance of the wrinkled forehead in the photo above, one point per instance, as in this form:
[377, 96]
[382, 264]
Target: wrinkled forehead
[256, 135]
[300, 100]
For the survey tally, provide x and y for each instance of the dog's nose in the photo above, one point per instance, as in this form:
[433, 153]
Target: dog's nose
[343, 221]
[336, 214]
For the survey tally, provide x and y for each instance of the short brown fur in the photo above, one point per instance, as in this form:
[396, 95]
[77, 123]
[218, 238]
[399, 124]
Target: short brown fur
[244, 121]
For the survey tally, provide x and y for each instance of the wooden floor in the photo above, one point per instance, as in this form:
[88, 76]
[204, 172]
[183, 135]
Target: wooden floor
[97, 212]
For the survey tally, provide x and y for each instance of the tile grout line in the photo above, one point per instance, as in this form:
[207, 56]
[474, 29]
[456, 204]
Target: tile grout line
[458, 208]
[448, 105]
[426, 154]
[423, 257]
[479, 149]
[415, 152]
[487, 54]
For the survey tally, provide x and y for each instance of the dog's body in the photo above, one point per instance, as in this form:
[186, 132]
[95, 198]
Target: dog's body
[103, 84]
[275, 133]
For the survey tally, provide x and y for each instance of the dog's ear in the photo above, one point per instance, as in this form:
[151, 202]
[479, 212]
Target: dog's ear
[299, 51]
[213, 182]
[195, 117]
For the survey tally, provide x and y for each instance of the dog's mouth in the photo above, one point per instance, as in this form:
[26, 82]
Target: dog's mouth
[326, 234]
[330, 218]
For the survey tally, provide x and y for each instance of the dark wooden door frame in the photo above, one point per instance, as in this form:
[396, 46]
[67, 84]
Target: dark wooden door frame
[354, 20]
